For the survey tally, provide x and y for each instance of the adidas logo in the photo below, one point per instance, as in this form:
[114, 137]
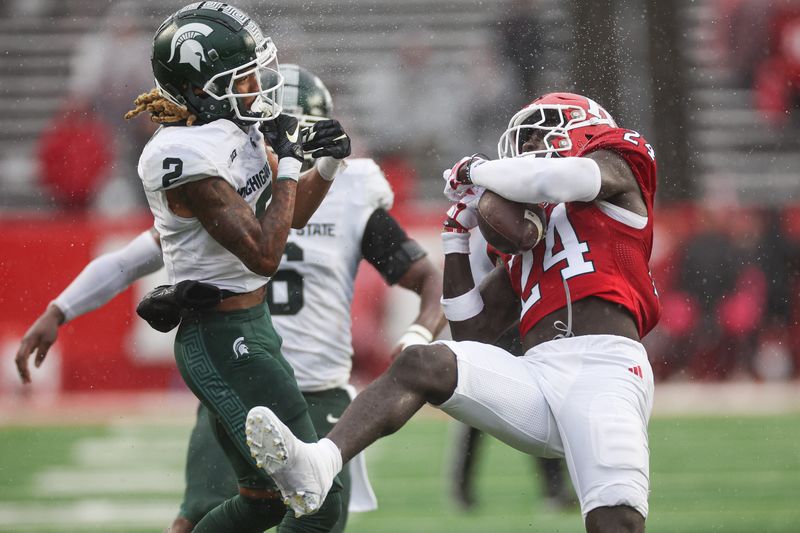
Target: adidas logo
[637, 370]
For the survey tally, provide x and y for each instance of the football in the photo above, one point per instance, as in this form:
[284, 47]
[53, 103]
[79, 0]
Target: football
[510, 227]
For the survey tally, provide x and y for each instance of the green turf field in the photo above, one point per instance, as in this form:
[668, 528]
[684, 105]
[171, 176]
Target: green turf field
[728, 474]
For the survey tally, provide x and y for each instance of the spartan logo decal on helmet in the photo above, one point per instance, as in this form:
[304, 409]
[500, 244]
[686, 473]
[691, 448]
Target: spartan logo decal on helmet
[202, 51]
[191, 51]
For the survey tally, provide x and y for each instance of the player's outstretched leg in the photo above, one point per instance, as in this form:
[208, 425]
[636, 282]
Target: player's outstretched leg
[303, 478]
[304, 471]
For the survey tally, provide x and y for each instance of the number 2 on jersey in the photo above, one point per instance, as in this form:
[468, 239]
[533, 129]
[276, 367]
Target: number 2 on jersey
[572, 251]
[175, 166]
[292, 280]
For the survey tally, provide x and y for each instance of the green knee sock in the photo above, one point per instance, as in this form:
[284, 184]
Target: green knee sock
[242, 515]
[320, 522]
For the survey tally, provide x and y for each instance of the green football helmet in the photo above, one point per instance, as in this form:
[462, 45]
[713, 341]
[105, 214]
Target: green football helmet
[304, 95]
[202, 50]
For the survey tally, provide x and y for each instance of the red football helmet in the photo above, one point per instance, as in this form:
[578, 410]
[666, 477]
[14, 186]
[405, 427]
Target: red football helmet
[567, 122]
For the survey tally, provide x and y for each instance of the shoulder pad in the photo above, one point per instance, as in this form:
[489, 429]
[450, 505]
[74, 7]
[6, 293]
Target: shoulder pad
[365, 175]
[178, 154]
[634, 149]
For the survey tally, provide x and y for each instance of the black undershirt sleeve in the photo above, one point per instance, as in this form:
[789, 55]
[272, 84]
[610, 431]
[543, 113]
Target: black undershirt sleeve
[388, 248]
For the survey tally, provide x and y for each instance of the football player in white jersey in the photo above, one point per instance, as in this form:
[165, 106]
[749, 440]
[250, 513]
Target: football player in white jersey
[309, 299]
[223, 216]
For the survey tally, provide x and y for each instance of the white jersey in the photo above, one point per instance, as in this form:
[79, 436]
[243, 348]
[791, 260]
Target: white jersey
[311, 293]
[179, 154]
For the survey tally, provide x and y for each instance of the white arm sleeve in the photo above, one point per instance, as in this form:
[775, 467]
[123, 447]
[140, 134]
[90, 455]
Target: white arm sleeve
[108, 275]
[534, 180]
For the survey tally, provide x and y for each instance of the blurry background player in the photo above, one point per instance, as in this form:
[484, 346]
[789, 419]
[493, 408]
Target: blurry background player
[309, 298]
[555, 490]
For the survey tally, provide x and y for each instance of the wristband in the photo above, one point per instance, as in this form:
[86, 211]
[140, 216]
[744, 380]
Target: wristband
[455, 242]
[289, 169]
[328, 167]
[415, 334]
[474, 161]
[463, 307]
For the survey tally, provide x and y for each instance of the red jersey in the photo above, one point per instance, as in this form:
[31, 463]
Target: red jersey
[595, 247]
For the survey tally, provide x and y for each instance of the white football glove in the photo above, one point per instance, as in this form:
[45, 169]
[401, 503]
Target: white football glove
[457, 181]
[463, 215]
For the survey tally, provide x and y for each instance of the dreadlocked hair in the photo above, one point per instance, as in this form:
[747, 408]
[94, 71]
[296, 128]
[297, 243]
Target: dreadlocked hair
[161, 110]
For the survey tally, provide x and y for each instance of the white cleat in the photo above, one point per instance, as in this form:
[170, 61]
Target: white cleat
[298, 471]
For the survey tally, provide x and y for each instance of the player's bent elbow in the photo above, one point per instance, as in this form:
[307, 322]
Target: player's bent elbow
[266, 267]
[270, 268]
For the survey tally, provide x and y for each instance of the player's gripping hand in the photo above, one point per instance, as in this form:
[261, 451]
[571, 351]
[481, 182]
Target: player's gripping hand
[463, 215]
[457, 179]
[39, 338]
[326, 138]
[283, 134]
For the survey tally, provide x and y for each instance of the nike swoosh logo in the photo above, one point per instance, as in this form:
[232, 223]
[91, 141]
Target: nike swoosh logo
[293, 137]
[330, 419]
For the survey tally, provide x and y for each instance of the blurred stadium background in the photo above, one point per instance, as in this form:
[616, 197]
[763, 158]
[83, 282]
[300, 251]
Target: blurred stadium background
[97, 443]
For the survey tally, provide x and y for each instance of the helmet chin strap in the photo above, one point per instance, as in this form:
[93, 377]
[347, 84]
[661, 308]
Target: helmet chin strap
[247, 113]
[258, 110]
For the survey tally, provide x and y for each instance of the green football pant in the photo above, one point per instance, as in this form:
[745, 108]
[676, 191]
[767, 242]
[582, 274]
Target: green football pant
[232, 362]
[210, 479]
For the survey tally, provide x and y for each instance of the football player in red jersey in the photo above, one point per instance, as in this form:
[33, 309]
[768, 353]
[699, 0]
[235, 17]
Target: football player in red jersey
[583, 298]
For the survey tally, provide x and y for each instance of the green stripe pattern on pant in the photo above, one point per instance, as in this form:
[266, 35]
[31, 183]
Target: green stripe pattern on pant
[232, 362]
[209, 478]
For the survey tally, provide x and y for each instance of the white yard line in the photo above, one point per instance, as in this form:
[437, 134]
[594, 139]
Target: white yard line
[130, 462]
[111, 515]
[127, 479]
[119, 451]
